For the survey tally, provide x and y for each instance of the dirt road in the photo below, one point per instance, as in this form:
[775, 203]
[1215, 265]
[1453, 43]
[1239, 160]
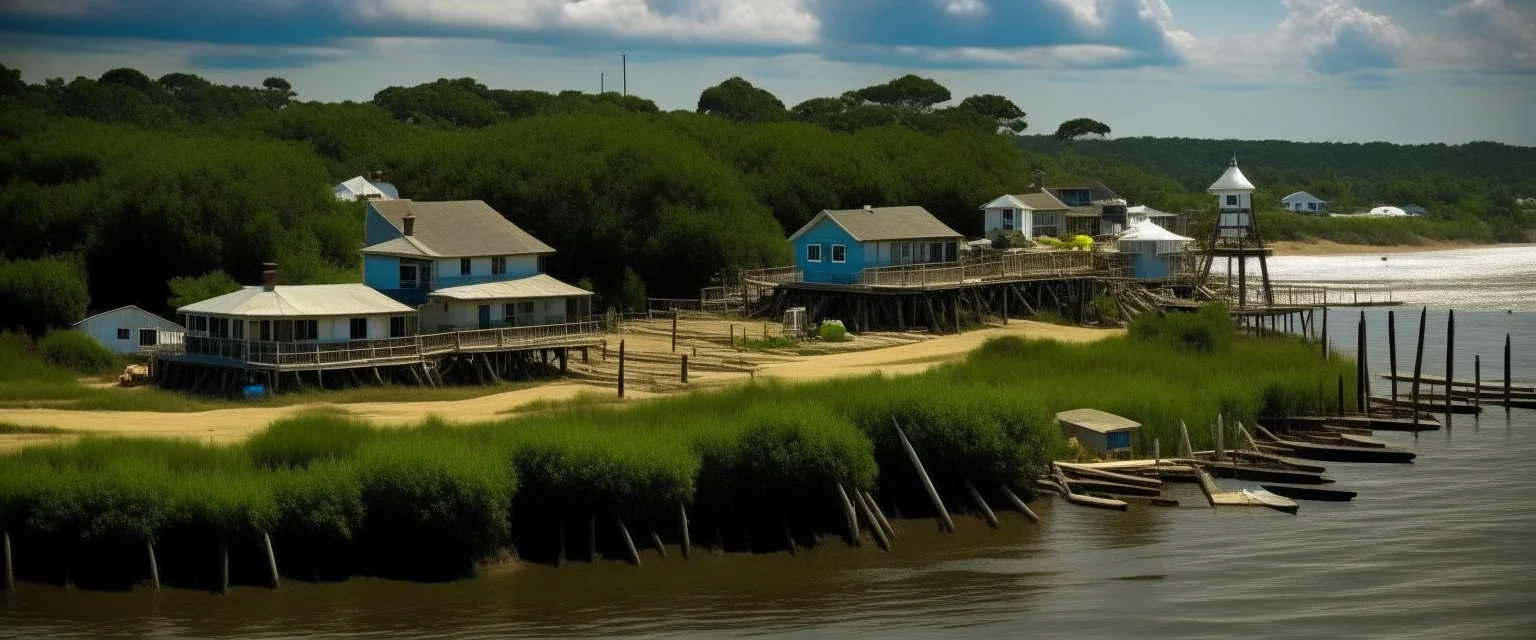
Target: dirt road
[231, 425]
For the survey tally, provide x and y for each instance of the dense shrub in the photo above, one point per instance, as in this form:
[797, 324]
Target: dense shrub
[833, 332]
[41, 294]
[76, 351]
[1208, 330]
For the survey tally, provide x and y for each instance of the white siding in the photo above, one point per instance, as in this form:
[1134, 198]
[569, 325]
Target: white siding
[104, 327]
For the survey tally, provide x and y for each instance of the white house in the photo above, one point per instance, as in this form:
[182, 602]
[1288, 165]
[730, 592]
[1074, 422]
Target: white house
[534, 300]
[1234, 202]
[1144, 213]
[127, 329]
[360, 188]
[313, 313]
[1386, 212]
[1303, 202]
[1031, 214]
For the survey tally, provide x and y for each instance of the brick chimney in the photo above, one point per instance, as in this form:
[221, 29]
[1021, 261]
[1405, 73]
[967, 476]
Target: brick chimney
[1037, 181]
[268, 276]
[409, 223]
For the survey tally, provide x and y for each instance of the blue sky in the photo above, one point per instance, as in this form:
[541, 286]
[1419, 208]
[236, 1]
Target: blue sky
[1342, 70]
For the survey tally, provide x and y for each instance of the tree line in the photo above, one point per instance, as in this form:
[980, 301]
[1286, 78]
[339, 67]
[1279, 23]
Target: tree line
[161, 191]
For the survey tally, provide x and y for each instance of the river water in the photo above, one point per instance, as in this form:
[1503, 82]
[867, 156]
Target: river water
[1442, 548]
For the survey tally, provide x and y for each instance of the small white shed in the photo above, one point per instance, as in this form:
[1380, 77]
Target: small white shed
[1099, 431]
[128, 329]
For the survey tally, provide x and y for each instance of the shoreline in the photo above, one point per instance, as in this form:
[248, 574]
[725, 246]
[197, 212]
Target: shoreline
[1319, 247]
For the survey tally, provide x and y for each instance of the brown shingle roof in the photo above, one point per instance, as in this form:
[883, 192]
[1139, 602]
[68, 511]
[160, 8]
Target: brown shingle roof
[884, 223]
[456, 229]
[1042, 201]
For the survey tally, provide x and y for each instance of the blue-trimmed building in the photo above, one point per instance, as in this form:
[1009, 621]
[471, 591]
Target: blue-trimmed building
[836, 246]
[414, 248]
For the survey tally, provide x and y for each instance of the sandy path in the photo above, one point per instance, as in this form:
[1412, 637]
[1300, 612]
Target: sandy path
[229, 425]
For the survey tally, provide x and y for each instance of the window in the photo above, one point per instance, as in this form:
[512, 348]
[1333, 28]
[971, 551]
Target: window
[1231, 201]
[238, 330]
[122, 334]
[906, 252]
[148, 337]
[305, 330]
[218, 328]
[266, 330]
[813, 253]
[936, 252]
[397, 326]
[463, 266]
[408, 276]
[525, 308]
[359, 327]
[498, 266]
[509, 313]
[839, 253]
[199, 323]
[1008, 219]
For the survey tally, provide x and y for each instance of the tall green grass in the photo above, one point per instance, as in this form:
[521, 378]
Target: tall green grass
[1373, 231]
[432, 500]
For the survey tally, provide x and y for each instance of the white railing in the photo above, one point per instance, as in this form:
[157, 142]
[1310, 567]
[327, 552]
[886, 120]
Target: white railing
[410, 348]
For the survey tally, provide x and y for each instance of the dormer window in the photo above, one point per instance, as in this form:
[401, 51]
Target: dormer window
[1231, 201]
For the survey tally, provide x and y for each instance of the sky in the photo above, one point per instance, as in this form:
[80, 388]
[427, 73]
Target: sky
[1406, 71]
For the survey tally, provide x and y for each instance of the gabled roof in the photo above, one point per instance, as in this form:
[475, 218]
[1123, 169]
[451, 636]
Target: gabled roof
[463, 228]
[1043, 201]
[1232, 180]
[1004, 202]
[359, 187]
[537, 286]
[883, 223]
[304, 300]
[167, 324]
[1302, 196]
[1149, 212]
[403, 246]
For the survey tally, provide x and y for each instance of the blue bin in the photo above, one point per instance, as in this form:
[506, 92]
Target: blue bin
[255, 392]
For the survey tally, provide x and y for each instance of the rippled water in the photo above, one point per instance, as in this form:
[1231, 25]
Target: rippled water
[1497, 278]
[1442, 548]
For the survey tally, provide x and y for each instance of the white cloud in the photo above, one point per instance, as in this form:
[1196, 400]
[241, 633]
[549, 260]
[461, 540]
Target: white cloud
[784, 22]
[1491, 35]
[1335, 36]
[1056, 57]
[965, 7]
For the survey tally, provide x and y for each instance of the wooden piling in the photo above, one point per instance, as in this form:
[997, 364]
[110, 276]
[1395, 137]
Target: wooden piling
[674, 331]
[1019, 504]
[789, 536]
[560, 539]
[1418, 364]
[1392, 353]
[850, 516]
[933, 493]
[621, 368]
[1506, 373]
[10, 568]
[266, 545]
[985, 510]
[1324, 340]
[154, 566]
[1477, 381]
[1450, 361]
[890, 531]
[682, 511]
[1189, 451]
[874, 524]
[1221, 429]
[629, 543]
[224, 564]
[1364, 387]
[661, 550]
[1341, 394]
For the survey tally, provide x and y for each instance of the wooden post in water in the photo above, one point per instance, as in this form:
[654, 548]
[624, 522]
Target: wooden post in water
[266, 545]
[1363, 385]
[1450, 361]
[879, 515]
[10, 569]
[661, 549]
[1220, 432]
[154, 567]
[629, 543]
[1019, 504]
[592, 534]
[1341, 395]
[1418, 364]
[985, 510]
[621, 368]
[1477, 379]
[1392, 348]
[1506, 373]
[851, 516]
[560, 539]
[1189, 451]
[682, 512]
[874, 525]
[224, 564]
[933, 493]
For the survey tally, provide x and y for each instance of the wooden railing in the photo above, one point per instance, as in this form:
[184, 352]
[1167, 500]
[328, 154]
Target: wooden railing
[772, 275]
[1007, 266]
[1303, 294]
[410, 348]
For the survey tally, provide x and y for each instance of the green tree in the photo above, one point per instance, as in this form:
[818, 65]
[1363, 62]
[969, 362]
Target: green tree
[736, 99]
[908, 92]
[1078, 127]
[41, 294]
[186, 290]
[1007, 115]
[278, 92]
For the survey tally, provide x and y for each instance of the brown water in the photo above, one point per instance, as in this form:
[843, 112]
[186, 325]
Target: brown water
[1442, 548]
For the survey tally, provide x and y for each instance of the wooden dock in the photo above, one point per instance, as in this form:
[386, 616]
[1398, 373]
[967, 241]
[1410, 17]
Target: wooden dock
[1489, 387]
[1374, 423]
[1427, 404]
[1222, 498]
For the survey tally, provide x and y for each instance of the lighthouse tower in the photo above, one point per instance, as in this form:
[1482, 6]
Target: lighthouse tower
[1236, 235]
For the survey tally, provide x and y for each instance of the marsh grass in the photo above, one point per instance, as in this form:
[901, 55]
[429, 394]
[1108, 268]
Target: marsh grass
[431, 500]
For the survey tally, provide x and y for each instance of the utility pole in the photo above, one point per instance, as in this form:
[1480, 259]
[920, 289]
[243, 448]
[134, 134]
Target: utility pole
[599, 83]
[624, 69]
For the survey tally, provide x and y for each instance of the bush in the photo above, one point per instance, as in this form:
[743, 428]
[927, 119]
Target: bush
[1207, 331]
[186, 290]
[40, 294]
[833, 332]
[307, 438]
[76, 351]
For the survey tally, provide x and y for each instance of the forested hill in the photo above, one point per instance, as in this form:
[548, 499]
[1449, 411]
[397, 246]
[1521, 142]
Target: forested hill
[161, 191]
[1480, 179]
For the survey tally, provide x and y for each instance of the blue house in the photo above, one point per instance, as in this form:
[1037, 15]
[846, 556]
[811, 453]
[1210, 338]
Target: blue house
[837, 245]
[1154, 250]
[414, 248]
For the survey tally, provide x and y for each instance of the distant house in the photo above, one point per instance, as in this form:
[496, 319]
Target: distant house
[127, 329]
[1031, 214]
[534, 300]
[1386, 212]
[417, 247]
[837, 245]
[1153, 249]
[1093, 209]
[1303, 202]
[1144, 213]
[297, 313]
[1414, 210]
[360, 188]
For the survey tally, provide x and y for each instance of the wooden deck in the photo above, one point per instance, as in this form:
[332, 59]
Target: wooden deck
[1001, 268]
[411, 350]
